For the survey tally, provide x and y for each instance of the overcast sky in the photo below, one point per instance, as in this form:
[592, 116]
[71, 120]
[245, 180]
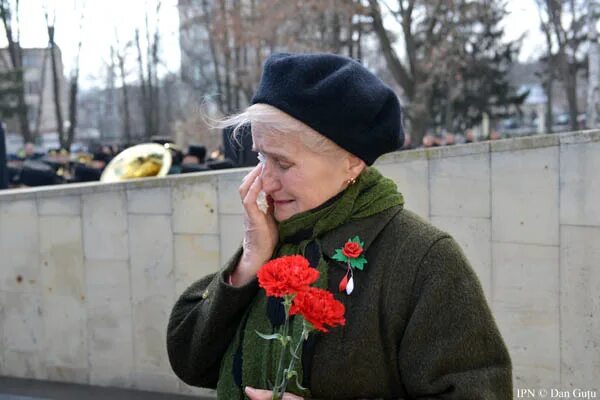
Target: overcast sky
[103, 20]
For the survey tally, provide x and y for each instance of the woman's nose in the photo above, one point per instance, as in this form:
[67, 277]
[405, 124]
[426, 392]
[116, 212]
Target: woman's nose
[270, 181]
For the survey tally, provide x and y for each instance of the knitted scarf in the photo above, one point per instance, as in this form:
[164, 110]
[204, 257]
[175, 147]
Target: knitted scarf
[251, 360]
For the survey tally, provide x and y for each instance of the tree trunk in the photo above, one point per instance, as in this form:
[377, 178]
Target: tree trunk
[419, 122]
[567, 67]
[548, 87]
[153, 61]
[149, 101]
[73, 90]
[156, 92]
[227, 54]
[126, 117]
[570, 79]
[143, 88]
[16, 56]
[237, 53]
[336, 30]
[23, 121]
[38, 117]
[213, 53]
[359, 28]
[398, 71]
[56, 86]
[593, 95]
[448, 118]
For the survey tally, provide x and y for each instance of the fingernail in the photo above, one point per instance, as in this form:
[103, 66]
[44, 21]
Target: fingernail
[248, 389]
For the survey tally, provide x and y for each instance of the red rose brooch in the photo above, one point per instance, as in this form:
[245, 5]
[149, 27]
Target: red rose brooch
[352, 255]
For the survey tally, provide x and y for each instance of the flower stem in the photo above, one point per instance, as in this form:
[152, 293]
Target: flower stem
[280, 378]
[305, 332]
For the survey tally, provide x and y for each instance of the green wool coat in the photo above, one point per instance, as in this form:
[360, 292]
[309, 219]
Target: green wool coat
[417, 323]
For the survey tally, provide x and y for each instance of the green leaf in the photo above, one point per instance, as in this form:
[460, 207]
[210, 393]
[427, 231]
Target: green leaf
[356, 239]
[274, 336]
[291, 373]
[339, 256]
[358, 263]
[294, 374]
[298, 383]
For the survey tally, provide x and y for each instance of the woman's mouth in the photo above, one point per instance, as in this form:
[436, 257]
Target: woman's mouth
[282, 202]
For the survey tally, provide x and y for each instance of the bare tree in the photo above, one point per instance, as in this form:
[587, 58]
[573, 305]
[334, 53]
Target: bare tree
[593, 99]
[548, 74]
[143, 87]
[426, 35]
[566, 36]
[67, 136]
[120, 55]
[239, 34]
[454, 68]
[148, 74]
[55, 77]
[12, 31]
[40, 105]
[73, 92]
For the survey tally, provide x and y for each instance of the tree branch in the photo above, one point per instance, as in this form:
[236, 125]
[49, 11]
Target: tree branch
[398, 70]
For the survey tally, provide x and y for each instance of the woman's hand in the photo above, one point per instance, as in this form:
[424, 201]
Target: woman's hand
[260, 230]
[259, 394]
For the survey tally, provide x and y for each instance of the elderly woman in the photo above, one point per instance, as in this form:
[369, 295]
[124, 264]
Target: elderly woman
[417, 322]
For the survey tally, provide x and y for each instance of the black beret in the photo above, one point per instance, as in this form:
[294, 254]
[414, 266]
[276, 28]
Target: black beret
[337, 97]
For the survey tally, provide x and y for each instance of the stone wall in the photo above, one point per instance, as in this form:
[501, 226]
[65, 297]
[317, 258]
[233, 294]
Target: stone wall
[89, 273]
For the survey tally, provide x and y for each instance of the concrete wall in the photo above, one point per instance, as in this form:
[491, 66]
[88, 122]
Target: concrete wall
[89, 273]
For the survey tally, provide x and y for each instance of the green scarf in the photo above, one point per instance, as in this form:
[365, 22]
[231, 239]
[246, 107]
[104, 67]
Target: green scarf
[253, 359]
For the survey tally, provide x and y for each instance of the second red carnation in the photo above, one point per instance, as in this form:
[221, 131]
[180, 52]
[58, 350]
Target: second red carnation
[318, 307]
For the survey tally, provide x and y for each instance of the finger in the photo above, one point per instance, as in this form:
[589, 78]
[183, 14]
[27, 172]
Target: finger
[253, 172]
[289, 396]
[248, 180]
[257, 394]
[249, 201]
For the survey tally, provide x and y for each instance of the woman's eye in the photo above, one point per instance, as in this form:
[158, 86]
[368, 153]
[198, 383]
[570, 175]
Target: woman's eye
[283, 164]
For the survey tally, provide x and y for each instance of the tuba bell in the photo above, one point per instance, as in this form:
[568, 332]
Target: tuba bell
[140, 161]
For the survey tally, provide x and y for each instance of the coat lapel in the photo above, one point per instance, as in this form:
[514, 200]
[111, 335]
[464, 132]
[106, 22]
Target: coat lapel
[366, 228]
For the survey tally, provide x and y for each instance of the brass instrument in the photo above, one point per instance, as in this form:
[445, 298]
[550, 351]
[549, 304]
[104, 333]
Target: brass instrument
[141, 161]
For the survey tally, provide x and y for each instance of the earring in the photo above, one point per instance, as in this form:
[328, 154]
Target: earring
[350, 181]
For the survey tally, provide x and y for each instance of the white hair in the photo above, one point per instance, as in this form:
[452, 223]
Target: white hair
[273, 121]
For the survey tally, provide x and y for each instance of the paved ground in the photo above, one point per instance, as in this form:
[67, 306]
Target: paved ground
[27, 389]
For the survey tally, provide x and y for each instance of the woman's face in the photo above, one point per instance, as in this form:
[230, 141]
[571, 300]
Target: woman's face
[296, 178]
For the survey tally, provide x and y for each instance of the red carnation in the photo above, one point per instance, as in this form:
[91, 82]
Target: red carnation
[319, 308]
[352, 249]
[286, 275]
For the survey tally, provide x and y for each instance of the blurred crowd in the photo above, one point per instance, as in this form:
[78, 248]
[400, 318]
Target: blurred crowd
[449, 139]
[31, 167]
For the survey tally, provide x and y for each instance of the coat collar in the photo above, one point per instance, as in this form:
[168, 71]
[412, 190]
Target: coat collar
[366, 228]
